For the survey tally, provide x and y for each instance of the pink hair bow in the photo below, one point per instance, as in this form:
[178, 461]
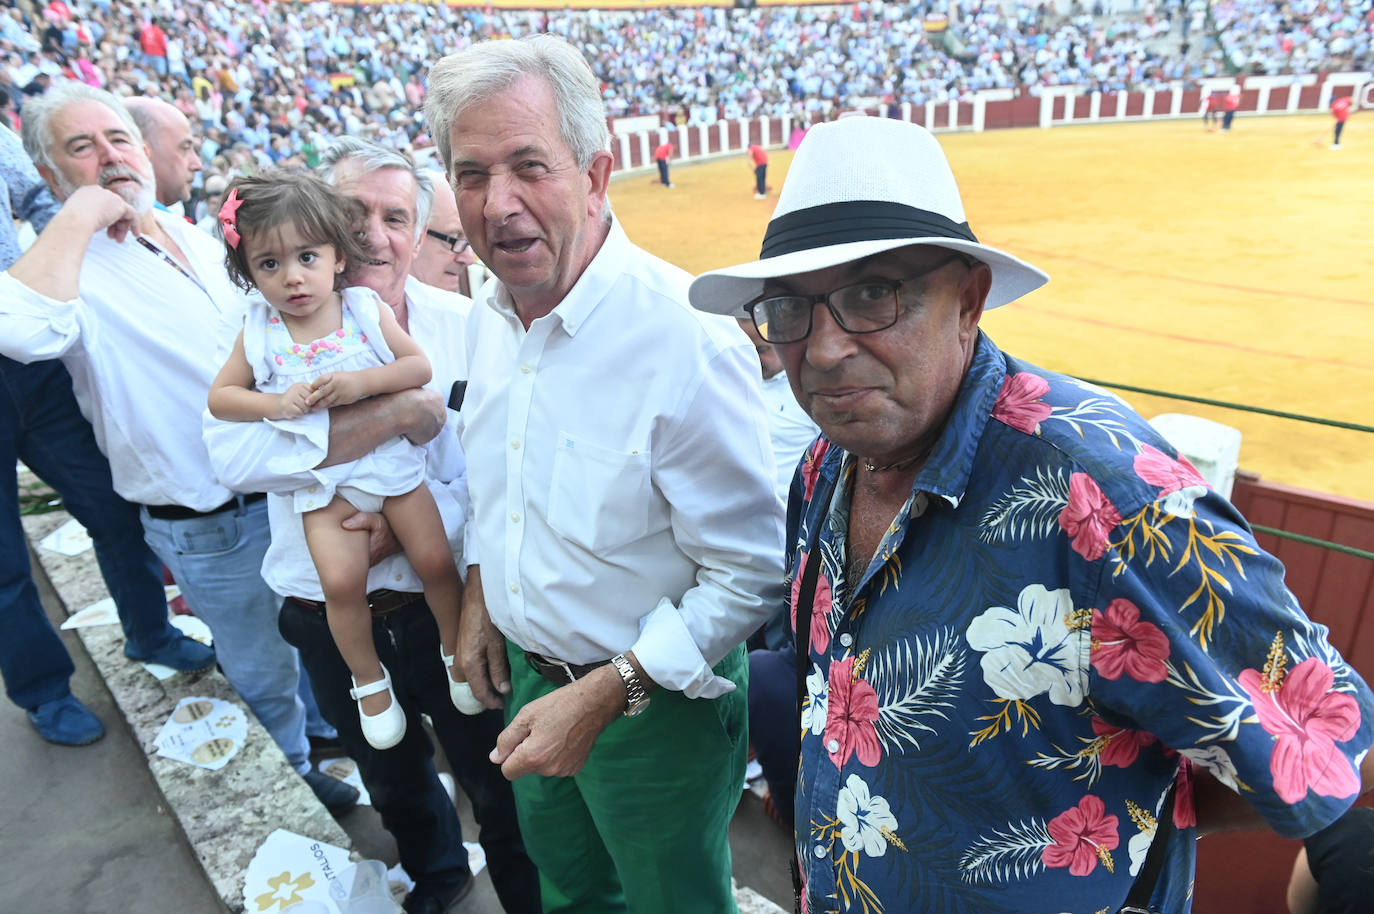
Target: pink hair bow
[227, 216]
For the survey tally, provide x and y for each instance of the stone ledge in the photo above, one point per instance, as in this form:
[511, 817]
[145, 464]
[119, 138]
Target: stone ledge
[225, 814]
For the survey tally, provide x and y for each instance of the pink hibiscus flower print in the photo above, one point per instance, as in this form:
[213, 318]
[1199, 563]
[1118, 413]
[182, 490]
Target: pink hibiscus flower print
[1089, 517]
[1123, 745]
[1083, 836]
[1159, 469]
[1307, 718]
[820, 609]
[1019, 404]
[811, 467]
[1123, 643]
[850, 716]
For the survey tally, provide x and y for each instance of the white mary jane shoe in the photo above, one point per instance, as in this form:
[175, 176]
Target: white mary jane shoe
[384, 730]
[460, 693]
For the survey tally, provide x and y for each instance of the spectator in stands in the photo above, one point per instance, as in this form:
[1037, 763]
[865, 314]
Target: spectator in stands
[443, 255]
[41, 424]
[996, 570]
[171, 149]
[602, 420]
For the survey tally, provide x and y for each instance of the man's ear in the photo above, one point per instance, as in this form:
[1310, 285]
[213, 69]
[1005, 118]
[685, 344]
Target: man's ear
[973, 293]
[599, 175]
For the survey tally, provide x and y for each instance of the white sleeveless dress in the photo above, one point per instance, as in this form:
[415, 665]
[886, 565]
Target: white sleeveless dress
[394, 468]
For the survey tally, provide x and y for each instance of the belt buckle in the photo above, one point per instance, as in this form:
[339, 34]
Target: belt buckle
[567, 670]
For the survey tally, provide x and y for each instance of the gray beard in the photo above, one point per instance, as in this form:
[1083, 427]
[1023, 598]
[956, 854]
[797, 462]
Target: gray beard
[141, 198]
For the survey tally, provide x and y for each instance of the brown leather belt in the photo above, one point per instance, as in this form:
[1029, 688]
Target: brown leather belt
[181, 512]
[381, 602]
[557, 671]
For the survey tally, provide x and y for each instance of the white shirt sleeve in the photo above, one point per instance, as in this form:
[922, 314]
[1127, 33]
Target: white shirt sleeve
[715, 468]
[34, 327]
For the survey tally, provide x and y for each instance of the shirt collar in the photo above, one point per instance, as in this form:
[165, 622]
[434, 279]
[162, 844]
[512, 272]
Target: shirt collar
[947, 469]
[589, 290]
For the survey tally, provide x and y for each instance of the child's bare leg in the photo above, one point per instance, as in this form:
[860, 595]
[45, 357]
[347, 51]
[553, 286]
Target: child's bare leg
[341, 559]
[414, 518]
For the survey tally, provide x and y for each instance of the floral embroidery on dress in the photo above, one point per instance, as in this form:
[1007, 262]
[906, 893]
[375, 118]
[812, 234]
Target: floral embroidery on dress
[289, 354]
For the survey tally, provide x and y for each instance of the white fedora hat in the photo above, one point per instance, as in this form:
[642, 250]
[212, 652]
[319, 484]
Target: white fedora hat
[857, 187]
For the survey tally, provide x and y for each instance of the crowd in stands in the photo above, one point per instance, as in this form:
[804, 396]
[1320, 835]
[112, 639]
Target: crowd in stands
[271, 83]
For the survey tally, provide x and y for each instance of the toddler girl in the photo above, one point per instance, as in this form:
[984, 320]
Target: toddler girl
[308, 346]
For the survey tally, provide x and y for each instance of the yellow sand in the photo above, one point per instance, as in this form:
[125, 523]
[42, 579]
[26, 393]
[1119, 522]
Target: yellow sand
[1234, 266]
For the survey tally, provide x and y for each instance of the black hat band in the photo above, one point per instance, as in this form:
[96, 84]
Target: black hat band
[856, 220]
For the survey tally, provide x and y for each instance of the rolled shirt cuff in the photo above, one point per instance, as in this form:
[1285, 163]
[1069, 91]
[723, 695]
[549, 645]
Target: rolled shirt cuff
[670, 656]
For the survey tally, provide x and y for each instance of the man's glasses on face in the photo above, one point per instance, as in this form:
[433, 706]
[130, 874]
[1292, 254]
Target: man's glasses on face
[862, 307]
[455, 243]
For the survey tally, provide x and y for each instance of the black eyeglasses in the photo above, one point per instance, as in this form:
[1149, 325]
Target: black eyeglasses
[456, 243]
[863, 307]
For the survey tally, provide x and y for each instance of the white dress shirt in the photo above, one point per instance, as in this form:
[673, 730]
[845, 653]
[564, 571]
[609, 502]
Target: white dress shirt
[279, 458]
[142, 342]
[789, 427]
[621, 474]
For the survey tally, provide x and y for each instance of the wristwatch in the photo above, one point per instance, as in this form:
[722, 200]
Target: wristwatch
[636, 696]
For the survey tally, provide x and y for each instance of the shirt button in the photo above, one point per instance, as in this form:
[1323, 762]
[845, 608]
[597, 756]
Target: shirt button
[846, 639]
[400, 577]
[515, 443]
[313, 489]
[515, 588]
[833, 746]
[515, 516]
[526, 368]
[819, 850]
[310, 504]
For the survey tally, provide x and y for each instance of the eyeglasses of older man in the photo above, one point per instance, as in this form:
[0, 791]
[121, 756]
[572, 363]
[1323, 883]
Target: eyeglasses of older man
[862, 307]
[455, 243]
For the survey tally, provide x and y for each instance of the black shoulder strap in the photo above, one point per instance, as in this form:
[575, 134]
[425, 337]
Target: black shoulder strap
[806, 597]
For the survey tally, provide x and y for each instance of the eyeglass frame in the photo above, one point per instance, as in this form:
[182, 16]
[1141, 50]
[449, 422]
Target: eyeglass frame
[453, 241]
[893, 286]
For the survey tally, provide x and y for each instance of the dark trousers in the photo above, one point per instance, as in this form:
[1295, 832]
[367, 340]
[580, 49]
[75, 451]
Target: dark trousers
[773, 724]
[41, 424]
[402, 780]
[761, 178]
[1226, 120]
[1340, 127]
[663, 171]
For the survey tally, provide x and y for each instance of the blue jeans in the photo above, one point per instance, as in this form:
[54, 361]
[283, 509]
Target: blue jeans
[217, 562]
[402, 781]
[41, 424]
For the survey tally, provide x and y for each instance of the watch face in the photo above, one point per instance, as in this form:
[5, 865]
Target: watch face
[637, 708]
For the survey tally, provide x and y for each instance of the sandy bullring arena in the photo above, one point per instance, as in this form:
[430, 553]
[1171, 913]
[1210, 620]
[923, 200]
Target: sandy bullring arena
[1236, 267]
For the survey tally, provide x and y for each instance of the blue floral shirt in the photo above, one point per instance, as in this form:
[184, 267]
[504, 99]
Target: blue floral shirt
[1058, 625]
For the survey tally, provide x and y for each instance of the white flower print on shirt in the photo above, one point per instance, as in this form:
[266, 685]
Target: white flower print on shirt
[1031, 650]
[864, 818]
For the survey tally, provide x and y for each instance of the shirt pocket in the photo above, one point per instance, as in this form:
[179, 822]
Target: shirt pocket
[601, 498]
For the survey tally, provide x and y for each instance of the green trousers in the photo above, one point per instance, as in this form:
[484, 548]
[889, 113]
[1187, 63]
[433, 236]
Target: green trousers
[644, 827]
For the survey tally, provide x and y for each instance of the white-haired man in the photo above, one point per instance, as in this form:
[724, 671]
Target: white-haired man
[627, 536]
[133, 301]
[402, 782]
[1029, 626]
